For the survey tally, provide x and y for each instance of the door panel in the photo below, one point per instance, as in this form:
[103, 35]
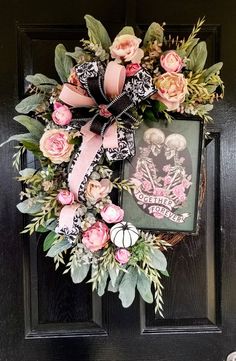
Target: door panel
[44, 316]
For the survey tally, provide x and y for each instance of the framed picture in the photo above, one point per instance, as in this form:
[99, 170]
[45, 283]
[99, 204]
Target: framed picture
[166, 174]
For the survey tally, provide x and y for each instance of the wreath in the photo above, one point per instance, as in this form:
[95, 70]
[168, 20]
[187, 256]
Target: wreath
[78, 130]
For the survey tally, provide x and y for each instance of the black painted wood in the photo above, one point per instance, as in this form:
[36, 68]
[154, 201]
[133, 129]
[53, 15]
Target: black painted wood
[43, 316]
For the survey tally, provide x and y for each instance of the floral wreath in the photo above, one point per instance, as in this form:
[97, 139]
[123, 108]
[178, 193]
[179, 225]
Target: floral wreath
[78, 130]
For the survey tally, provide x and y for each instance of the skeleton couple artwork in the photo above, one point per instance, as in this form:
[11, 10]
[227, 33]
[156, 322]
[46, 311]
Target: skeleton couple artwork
[162, 175]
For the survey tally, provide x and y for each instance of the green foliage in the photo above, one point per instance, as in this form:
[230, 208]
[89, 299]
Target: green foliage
[127, 287]
[41, 82]
[58, 247]
[29, 206]
[188, 45]
[144, 288]
[197, 58]
[32, 125]
[63, 63]
[123, 184]
[30, 103]
[79, 55]
[79, 272]
[50, 238]
[97, 32]
[213, 70]
[157, 259]
[27, 172]
[127, 30]
[154, 33]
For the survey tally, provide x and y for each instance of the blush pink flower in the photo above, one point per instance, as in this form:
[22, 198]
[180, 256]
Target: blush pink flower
[61, 115]
[96, 237]
[65, 197]
[171, 61]
[171, 90]
[166, 168]
[55, 145]
[132, 69]
[126, 48]
[146, 185]
[112, 213]
[178, 190]
[96, 190]
[182, 198]
[122, 255]
[159, 191]
[167, 180]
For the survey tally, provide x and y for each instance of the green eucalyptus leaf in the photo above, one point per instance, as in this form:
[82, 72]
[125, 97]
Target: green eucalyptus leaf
[144, 288]
[58, 248]
[127, 30]
[32, 125]
[79, 273]
[41, 81]
[191, 46]
[197, 58]
[102, 284]
[51, 224]
[112, 288]
[20, 138]
[30, 103]
[157, 259]
[41, 229]
[127, 287]
[113, 274]
[79, 55]
[154, 32]
[97, 32]
[63, 63]
[165, 273]
[49, 240]
[214, 69]
[29, 206]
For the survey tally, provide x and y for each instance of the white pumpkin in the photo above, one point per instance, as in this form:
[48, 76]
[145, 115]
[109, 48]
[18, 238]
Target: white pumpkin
[124, 234]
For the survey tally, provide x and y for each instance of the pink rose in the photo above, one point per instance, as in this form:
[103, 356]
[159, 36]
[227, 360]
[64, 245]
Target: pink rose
[159, 192]
[178, 190]
[158, 215]
[166, 168]
[126, 48]
[61, 115]
[167, 180]
[171, 61]
[122, 255]
[55, 145]
[112, 213]
[171, 90]
[96, 237]
[146, 185]
[182, 198]
[95, 190]
[65, 197]
[103, 111]
[132, 69]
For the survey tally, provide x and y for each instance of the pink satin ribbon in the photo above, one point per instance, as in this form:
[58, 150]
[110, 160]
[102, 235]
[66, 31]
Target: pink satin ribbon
[114, 80]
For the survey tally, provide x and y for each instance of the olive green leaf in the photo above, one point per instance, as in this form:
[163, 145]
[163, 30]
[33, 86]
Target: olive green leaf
[97, 32]
[127, 287]
[157, 259]
[144, 288]
[32, 125]
[63, 63]
[197, 58]
[29, 206]
[79, 272]
[58, 248]
[48, 240]
[154, 32]
[41, 81]
[127, 30]
[30, 103]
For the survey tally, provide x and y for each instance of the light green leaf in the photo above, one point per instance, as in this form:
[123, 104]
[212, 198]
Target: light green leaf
[127, 30]
[26, 137]
[49, 241]
[144, 288]
[58, 248]
[197, 58]
[63, 63]
[157, 259]
[29, 206]
[127, 287]
[192, 44]
[79, 273]
[30, 103]
[102, 284]
[51, 224]
[113, 274]
[41, 81]
[79, 55]
[112, 288]
[165, 273]
[27, 172]
[97, 32]
[32, 125]
[214, 69]
[154, 32]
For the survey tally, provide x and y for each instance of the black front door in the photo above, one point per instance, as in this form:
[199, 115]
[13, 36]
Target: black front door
[43, 315]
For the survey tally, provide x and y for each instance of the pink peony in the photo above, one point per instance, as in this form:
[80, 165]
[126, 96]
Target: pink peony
[61, 115]
[126, 48]
[55, 145]
[96, 237]
[171, 61]
[112, 213]
[96, 190]
[171, 90]
[132, 69]
[122, 255]
[65, 197]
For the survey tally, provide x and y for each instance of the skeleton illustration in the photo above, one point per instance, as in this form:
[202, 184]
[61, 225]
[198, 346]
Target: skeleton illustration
[155, 138]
